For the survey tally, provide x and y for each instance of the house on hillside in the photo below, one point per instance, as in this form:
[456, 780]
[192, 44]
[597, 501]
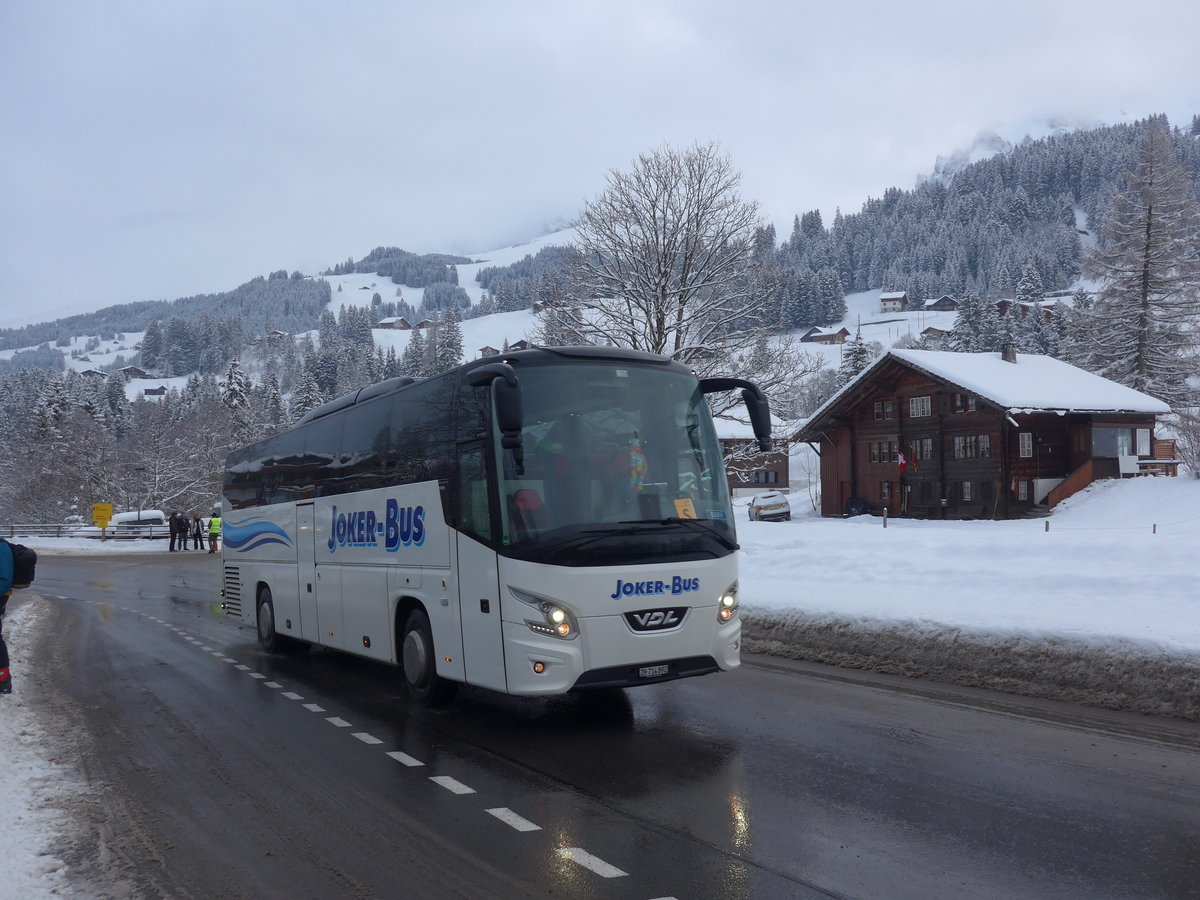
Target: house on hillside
[93, 373]
[748, 469]
[944, 303]
[934, 336]
[134, 372]
[933, 434]
[519, 345]
[488, 351]
[893, 301]
[830, 337]
[159, 391]
[398, 323]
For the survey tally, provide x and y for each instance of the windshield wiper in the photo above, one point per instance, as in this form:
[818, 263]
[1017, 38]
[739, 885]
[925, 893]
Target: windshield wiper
[690, 523]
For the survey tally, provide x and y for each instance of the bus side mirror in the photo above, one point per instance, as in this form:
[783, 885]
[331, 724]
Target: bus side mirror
[506, 393]
[756, 405]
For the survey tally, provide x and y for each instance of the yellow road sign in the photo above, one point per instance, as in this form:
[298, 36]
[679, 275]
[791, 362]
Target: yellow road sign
[101, 514]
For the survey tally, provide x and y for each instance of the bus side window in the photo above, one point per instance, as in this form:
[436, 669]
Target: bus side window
[474, 513]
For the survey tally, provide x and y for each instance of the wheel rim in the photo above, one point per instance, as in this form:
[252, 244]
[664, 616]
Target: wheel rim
[416, 658]
[266, 622]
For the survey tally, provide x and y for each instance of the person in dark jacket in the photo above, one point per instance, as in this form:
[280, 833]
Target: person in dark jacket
[197, 532]
[173, 526]
[6, 584]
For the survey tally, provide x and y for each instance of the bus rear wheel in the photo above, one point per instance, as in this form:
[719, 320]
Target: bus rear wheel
[267, 636]
[270, 639]
[420, 665]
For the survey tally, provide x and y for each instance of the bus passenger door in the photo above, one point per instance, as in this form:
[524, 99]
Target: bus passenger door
[478, 577]
[306, 571]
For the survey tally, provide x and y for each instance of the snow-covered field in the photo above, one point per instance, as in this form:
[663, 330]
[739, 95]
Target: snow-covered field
[1117, 568]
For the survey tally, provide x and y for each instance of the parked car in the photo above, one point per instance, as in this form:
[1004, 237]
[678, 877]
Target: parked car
[770, 506]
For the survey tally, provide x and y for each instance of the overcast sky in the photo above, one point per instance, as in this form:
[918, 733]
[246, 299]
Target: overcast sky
[153, 150]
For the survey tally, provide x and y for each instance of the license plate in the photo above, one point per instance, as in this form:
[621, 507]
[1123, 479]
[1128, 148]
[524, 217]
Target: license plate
[653, 671]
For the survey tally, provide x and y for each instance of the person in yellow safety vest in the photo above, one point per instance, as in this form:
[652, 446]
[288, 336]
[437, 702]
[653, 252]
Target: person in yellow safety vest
[214, 533]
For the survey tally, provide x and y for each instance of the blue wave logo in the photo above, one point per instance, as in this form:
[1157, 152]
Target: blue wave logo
[250, 534]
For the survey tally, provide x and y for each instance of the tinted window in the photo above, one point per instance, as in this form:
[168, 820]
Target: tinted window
[421, 445]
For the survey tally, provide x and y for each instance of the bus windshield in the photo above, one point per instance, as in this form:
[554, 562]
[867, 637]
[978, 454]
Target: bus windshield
[619, 462]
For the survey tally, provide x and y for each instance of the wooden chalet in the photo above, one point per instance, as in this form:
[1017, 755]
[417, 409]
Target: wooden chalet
[396, 323]
[830, 337]
[893, 301]
[944, 303]
[933, 434]
[135, 372]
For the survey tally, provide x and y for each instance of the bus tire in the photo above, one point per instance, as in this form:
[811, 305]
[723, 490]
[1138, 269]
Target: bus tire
[267, 636]
[419, 664]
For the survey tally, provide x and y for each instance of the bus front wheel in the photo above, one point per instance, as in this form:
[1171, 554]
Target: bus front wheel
[420, 665]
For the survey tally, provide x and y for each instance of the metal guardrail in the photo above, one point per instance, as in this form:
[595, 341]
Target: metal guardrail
[117, 532]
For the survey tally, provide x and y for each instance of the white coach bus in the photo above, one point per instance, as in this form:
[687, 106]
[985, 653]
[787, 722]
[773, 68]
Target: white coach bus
[534, 523]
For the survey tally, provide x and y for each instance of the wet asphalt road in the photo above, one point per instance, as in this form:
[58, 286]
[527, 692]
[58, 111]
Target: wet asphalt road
[221, 771]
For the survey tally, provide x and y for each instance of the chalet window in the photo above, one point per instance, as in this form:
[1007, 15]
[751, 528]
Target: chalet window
[972, 446]
[874, 452]
[895, 451]
[889, 409]
[1022, 490]
[923, 448]
[1112, 441]
[966, 491]
[878, 410]
[885, 489]
[919, 407]
[1025, 441]
[964, 403]
[1143, 442]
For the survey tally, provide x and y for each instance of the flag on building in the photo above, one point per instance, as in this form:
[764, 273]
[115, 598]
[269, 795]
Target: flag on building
[903, 461]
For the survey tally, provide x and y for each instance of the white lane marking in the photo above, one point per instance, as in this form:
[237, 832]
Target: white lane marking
[404, 758]
[205, 647]
[338, 722]
[366, 738]
[452, 785]
[312, 707]
[257, 675]
[242, 667]
[273, 684]
[229, 659]
[508, 817]
[217, 653]
[292, 695]
[592, 863]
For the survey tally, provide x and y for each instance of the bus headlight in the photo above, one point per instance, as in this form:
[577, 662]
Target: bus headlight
[727, 604]
[552, 618]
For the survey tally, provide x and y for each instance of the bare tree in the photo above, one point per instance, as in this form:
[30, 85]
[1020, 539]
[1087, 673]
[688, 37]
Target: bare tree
[1143, 329]
[665, 263]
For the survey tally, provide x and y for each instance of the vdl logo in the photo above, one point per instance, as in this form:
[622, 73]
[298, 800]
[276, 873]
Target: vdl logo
[401, 526]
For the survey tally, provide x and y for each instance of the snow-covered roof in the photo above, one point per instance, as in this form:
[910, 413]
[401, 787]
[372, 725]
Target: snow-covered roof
[893, 295]
[1032, 384]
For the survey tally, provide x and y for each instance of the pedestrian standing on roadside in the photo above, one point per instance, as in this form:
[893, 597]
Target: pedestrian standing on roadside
[6, 584]
[214, 533]
[173, 525]
[197, 532]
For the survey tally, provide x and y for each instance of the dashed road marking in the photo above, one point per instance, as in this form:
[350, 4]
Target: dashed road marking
[453, 785]
[366, 738]
[404, 758]
[292, 695]
[272, 684]
[312, 707]
[592, 863]
[257, 675]
[338, 722]
[242, 667]
[228, 659]
[508, 817]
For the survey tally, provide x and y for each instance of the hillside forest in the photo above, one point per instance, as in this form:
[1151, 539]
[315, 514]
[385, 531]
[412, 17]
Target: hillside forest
[1063, 225]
